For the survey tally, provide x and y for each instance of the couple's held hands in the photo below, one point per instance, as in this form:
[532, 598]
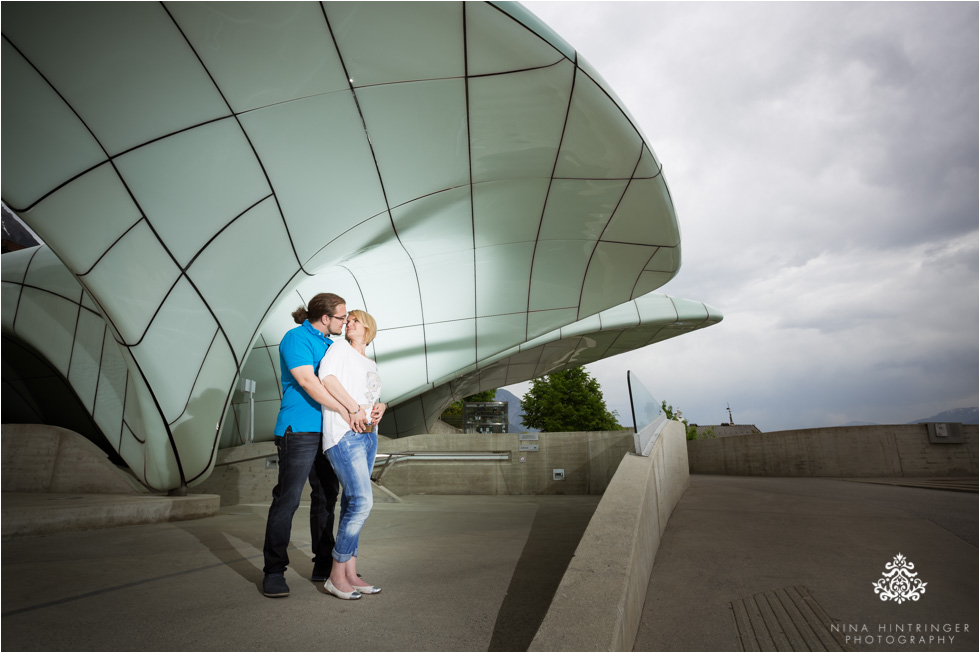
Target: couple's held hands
[361, 421]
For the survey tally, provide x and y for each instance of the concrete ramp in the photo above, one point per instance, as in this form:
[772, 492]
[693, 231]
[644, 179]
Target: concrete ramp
[55, 480]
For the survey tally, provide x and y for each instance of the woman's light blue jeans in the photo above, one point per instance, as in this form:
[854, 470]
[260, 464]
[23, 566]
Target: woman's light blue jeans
[352, 460]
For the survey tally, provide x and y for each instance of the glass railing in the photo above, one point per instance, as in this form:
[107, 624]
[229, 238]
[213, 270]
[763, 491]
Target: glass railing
[649, 418]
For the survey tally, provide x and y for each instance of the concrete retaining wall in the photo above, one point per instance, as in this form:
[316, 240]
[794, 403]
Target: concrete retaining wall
[598, 604]
[846, 451]
[41, 458]
[589, 461]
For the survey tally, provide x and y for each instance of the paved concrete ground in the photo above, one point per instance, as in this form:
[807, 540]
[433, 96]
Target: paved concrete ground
[477, 572]
[458, 573]
[731, 539]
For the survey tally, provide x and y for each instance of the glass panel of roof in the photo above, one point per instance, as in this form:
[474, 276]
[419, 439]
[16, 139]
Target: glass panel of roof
[351, 243]
[612, 274]
[649, 164]
[239, 300]
[132, 280]
[508, 211]
[67, 216]
[494, 376]
[407, 415]
[89, 303]
[8, 301]
[440, 222]
[123, 66]
[384, 42]
[318, 161]
[689, 312]
[47, 322]
[589, 324]
[176, 343]
[558, 272]
[496, 43]
[447, 285]
[667, 259]
[578, 209]
[449, 346]
[520, 372]
[516, 122]
[131, 451]
[194, 183]
[594, 347]
[50, 144]
[645, 216]
[195, 443]
[590, 70]
[599, 142]
[47, 272]
[498, 333]
[83, 373]
[655, 309]
[541, 322]
[400, 358]
[502, 274]
[617, 317]
[109, 395]
[15, 264]
[387, 276]
[650, 281]
[421, 147]
[260, 53]
[260, 367]
[522, 14]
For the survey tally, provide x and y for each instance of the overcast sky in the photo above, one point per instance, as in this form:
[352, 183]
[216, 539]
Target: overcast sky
[822, 158]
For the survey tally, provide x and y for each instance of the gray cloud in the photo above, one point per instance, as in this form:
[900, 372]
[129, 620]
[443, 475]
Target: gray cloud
[823, 160]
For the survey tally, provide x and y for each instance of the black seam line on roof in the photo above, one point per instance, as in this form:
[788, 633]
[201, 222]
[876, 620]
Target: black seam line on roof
[27, 268]
[636, 129]
[74, 339]
[518, 70]
[70, 108]
[630, 178]
[217, 430]
[530, 31]
[197, 376]
[217, 322]
[480, 317]
[221, 231]
[585, 277]
[50, 292]
[551, 181]
[152, 317]
[245, 135]
[163, 420]
[642, 270]
[135, 437]
[98, 376]
[384, 192]
[469, 172]
[272, 362]
[122, 416]
[114, 243]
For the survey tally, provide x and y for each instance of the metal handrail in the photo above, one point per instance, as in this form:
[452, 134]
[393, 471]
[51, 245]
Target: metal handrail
[388, 460]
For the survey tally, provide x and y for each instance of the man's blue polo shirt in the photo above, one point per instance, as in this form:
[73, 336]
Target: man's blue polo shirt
[303, 345]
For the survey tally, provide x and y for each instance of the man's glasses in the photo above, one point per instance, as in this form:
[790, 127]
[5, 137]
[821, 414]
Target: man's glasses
[342, 318]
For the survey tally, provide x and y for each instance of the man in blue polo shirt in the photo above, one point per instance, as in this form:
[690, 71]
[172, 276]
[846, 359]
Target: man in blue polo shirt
[298, 431]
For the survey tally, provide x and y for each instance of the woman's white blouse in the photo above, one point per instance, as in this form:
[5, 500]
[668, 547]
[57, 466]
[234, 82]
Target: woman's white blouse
[359, 376]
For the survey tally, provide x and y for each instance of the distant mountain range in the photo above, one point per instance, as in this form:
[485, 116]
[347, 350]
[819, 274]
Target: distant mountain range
[515, 416]
[963, 415]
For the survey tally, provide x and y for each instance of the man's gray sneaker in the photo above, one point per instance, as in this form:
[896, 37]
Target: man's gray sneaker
[274, 586]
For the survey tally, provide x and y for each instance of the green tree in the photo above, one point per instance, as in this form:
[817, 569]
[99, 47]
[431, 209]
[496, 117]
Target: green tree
[570, 400]
[454, 413]
[690, 429]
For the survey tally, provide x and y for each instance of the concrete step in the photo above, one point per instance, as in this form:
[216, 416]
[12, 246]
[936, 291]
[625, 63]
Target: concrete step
[31, 514]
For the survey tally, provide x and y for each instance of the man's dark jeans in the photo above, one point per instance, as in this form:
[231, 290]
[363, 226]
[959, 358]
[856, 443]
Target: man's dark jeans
[300, 458]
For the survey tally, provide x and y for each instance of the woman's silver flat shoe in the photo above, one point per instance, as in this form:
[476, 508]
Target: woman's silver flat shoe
[347, 596]
[367, 589]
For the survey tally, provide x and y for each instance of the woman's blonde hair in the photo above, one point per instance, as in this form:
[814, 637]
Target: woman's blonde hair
[370, 326]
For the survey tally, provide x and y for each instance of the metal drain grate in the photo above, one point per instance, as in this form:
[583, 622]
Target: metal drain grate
[787, 619]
